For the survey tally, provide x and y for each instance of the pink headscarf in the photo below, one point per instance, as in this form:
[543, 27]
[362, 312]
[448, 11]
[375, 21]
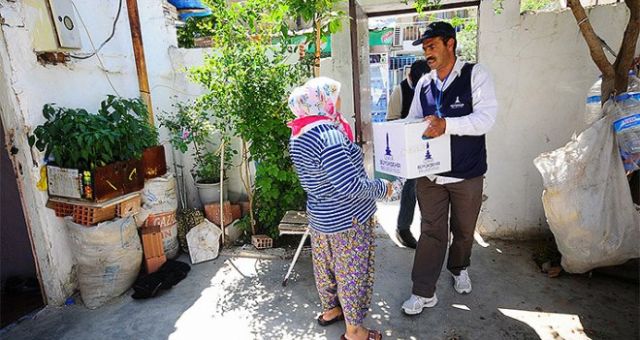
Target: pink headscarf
[315, 101]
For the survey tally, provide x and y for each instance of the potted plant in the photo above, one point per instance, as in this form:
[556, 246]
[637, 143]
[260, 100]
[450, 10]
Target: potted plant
[207, 177]
[95, 156]
[190, 127]
[137, 137]
[247, 82]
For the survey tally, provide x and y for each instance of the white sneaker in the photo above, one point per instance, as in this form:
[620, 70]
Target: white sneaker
[416, 303]
[462, 282]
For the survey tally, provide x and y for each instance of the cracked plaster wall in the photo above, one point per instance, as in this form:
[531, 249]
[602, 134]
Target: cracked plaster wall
[542, 71]
[26, 85]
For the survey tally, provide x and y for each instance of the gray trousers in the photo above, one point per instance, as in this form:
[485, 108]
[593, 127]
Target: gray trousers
[464, 199]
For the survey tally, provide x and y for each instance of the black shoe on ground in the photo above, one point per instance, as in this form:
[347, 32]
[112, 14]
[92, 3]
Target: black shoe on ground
[406, 238]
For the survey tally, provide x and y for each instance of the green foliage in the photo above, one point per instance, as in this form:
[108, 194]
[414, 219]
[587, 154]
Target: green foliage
[324, 16]
[498, 6]
[244, 225]
[129, 118]
[525, 5]
[467, 37]
[195, 27]
[248, 81]
[536, 5]
[420, 5]
[190, 126]
[75, 138]
[323, 11]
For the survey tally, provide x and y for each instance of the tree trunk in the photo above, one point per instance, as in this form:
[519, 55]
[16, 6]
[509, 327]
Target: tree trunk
[316, 59]
[615, 77]
[628, 48]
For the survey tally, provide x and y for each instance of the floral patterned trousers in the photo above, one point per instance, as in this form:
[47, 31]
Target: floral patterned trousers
[343, 264]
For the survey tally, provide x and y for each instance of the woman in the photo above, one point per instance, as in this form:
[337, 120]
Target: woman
[340, 205]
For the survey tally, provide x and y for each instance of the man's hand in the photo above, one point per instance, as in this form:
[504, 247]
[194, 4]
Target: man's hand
[435, 126]
[389, 190]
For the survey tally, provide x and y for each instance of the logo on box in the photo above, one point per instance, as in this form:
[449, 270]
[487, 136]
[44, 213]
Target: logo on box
[388, 163]
[428, 156]
[387, 151]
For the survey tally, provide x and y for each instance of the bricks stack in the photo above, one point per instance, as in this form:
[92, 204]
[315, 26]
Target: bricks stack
[212, 213]
[152, 248]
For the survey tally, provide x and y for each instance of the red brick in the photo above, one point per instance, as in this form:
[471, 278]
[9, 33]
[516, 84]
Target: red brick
[152, 247]
[212, 213]
[245, 208]
[236, 211]
[152, 242]
[154, 263]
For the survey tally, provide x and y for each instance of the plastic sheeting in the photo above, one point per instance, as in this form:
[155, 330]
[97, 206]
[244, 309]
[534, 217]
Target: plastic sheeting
[587, 201]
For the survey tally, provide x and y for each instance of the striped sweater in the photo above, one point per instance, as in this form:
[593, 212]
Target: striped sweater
[331, 171]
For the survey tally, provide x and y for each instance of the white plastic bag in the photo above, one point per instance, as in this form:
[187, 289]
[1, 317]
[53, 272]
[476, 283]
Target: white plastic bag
[587, 201]
[108, 257]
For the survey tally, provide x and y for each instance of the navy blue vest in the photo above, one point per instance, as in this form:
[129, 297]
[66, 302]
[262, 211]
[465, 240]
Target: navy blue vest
[468, 153]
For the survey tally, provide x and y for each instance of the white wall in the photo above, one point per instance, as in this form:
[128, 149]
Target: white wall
[542, 71]
[26, 85]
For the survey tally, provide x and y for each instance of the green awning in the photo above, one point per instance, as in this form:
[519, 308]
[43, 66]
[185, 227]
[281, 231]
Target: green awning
[381, 37]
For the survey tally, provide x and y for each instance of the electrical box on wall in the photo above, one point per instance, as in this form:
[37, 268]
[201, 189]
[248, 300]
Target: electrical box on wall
[65, 23]
[48, 32]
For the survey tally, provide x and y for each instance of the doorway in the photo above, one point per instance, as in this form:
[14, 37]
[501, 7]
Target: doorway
[20, 289]
[390, 53]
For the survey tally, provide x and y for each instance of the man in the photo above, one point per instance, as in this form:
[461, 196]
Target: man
[399, 105]
[457, 99]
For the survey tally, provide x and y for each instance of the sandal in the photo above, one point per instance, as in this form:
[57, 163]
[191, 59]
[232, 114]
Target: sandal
[322, 322]
[373, 335]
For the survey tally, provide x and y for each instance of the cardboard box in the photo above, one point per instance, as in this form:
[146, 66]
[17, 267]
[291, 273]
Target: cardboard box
[400, 150]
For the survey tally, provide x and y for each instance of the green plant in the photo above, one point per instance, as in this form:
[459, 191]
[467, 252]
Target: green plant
[247, 83]
[244, 225]
[189, 126]
[467, 37]
[130, 119]
[195, 27]
[536, 5]
[75, 138]
[420, 5]
[326, 19]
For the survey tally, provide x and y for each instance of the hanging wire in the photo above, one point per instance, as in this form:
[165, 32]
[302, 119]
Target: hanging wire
[104, 69]
[113, 32]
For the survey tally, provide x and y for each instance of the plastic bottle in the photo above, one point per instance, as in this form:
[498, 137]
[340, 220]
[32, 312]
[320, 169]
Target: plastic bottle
[593, 106]
[634, 83]
[626, 126]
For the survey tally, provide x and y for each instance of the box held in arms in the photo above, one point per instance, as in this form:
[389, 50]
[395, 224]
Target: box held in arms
[400, 150]
[99, 185]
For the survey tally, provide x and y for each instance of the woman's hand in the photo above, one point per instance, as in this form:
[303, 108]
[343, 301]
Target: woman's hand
[389, 190]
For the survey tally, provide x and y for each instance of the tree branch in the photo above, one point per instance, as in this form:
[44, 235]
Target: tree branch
[592, 40]
[628, 47]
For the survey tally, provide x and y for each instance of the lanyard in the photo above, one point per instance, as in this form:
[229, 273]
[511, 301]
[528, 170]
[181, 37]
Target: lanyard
[439, 98]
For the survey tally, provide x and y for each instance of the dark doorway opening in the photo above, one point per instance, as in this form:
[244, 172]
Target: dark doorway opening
[20, 288]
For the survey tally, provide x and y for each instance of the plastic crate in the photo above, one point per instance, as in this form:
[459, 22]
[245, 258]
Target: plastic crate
[91, 215]
[262, 241]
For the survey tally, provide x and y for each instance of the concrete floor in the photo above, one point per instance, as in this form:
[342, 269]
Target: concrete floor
[242, 298]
